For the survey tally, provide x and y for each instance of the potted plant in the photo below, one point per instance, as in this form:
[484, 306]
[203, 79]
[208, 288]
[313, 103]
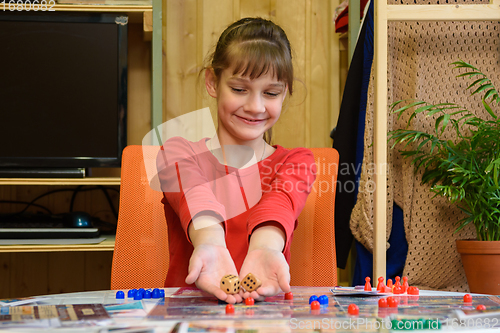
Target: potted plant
[465, 170]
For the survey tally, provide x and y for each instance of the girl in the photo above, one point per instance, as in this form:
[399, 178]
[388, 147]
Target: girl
[249, 74]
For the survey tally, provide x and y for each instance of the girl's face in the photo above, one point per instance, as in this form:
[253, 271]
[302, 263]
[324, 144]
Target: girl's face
[246, 108]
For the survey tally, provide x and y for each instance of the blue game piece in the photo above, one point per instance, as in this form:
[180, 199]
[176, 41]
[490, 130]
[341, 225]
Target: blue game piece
[156, 293]
[138, 296]
[162, 293]
[323, 300]
[147, 294]
[120, 294]
[313, 298]
[131, 293]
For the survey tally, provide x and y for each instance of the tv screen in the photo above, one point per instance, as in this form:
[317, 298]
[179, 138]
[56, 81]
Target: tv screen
[63, 89]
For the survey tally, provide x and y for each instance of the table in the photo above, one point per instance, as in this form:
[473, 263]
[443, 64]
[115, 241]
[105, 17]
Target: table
[191, 307]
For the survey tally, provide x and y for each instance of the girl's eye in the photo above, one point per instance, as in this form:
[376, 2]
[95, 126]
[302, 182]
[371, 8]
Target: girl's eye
[238, 90]
[273, 94]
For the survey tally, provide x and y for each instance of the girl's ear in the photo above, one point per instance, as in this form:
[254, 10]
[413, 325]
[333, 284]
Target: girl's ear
[211, 82]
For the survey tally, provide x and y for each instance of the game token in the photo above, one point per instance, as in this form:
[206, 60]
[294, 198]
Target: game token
[392, 302]
[229, 309]
[413, 291]
[389, 283]
[323, 300]
[249, 301]
[380, 285]
[131, 293]
[147, 294]
[368, 286]
[467, 298]
[162, 293]
[315, 305]
[397, 283]
[138, 296]
[405, 284]
[289, 296]
[480, 307]
[398, 290]
[353, 309]
[313, 298]
[156, 293]
[120, 294]
[382, 303]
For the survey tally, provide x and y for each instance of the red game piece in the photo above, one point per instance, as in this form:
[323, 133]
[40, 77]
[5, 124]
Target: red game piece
[353, 309]
[467, 298]
[229, 309]
[249, 301]
[405, 283]
[397, 283]
[480, 307]
[413, 291]
[382, 303]
[392, 302]
[381, 285]
[315, 305]
[389, 283]
[368, 286]
[398, 290]
[387, 289]
[289, 296]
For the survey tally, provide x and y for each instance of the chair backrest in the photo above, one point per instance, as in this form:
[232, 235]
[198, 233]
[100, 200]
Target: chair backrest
[141, 257]
[313, 259]
[141, 254]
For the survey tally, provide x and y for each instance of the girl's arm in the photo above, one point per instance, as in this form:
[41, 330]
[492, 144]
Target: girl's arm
[210, 259]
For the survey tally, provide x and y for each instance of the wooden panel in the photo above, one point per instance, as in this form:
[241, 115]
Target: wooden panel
[29, 274]
[66, 272]
[5, 275]
[321, 75]
[252, 8]
[290, 131]
[181, 57]
[98, 270]
[139, 86]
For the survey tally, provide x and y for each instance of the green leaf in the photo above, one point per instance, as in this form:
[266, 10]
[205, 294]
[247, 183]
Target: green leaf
[488, 108]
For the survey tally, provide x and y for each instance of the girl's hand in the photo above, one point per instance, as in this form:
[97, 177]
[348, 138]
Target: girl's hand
[208, 264]
[271, 268]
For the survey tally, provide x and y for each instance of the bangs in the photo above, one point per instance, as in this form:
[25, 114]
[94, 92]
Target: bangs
[259, 57]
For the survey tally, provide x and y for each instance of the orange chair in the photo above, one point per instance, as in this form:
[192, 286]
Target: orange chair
[141, 255]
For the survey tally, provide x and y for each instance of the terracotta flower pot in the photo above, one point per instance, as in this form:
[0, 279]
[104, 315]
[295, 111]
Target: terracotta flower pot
[481, 261]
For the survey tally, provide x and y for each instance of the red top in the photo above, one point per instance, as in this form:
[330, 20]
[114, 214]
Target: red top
[193, 181]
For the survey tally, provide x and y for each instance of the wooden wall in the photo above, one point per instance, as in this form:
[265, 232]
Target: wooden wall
[191, 29]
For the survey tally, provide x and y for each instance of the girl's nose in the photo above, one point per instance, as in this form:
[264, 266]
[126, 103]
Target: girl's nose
[254, 103]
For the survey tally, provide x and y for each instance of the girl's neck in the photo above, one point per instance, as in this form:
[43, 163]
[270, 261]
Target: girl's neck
[226, 150]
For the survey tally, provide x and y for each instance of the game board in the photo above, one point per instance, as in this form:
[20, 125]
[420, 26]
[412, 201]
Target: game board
[193, 305]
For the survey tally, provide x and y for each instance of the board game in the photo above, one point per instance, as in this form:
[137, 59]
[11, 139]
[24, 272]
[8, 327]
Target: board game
[192, 305]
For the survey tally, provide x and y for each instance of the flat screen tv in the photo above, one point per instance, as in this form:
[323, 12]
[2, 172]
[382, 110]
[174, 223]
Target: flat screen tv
[63, 92]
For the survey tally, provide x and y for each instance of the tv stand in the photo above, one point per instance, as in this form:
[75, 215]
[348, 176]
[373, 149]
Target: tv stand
[43, 172]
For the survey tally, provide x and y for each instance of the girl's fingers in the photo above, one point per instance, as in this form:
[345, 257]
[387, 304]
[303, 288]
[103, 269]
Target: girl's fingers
[194, 271]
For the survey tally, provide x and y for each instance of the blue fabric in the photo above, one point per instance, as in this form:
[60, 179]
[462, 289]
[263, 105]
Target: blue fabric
[395, 256]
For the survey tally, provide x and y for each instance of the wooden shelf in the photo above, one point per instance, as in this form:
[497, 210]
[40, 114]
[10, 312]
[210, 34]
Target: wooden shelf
[106, 245]
[61, 181]
[136, 13]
